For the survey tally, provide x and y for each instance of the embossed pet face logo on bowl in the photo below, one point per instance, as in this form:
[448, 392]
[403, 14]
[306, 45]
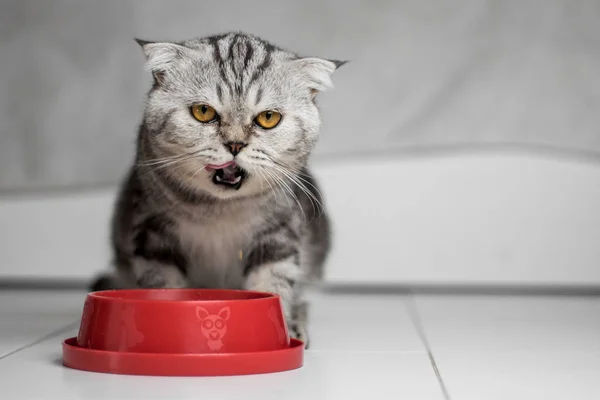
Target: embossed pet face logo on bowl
[214, 326]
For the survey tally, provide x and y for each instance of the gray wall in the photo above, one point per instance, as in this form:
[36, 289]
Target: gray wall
[423, 74]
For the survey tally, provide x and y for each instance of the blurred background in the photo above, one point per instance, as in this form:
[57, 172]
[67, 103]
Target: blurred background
[461, 145]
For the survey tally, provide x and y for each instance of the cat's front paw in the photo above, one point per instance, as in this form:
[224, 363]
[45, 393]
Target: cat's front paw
[298, 331]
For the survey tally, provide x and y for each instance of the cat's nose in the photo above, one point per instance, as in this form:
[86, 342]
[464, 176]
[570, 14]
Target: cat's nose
[235, 147]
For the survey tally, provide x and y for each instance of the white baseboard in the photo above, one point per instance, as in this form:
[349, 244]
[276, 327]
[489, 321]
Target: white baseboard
[55, 236]
[468, 219]
[477, 219]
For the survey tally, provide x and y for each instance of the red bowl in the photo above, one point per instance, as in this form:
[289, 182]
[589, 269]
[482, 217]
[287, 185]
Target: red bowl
[183, 321]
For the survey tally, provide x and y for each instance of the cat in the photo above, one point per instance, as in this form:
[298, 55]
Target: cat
[220, 195]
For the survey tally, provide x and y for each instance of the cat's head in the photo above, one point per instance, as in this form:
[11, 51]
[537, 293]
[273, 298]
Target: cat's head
[231, 115]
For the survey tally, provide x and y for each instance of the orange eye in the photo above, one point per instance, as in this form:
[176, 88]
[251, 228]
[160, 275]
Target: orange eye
[203, 112]
[268, 119]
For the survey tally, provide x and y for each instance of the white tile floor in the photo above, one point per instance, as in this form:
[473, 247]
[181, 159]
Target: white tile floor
[363, 347]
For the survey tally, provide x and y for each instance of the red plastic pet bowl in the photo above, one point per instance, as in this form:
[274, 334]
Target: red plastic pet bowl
[182, 332]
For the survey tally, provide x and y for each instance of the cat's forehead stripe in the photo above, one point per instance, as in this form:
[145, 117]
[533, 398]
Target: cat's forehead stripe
[240, 59]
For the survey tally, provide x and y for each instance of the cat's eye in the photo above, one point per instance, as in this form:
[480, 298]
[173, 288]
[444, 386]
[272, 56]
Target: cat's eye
[203, 112]
[268, 119]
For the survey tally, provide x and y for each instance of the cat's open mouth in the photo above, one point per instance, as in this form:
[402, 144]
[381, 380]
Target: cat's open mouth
[229, 175]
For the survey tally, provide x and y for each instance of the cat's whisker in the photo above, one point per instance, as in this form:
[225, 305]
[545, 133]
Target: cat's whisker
[311, 197]
[169, 163]
[277, 181]
[172, 164]
[291, 192]
[262, 174]
[167, 159]
[197, 171]
[268, 174]
[299, 175]
[293, 176]
[154, 161]
[314, 199]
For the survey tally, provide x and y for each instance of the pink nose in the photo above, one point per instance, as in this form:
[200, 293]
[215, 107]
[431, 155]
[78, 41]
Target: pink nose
[235, 147]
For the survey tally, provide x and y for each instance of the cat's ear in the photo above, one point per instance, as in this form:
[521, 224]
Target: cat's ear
[161, 56]
[224, 313]
[317, 72]
[201, 313]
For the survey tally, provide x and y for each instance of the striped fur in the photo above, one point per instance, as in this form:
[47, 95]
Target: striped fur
[174, 227]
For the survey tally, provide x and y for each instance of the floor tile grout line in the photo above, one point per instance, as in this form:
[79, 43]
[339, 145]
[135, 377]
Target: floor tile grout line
[48, 336]
[413, 313]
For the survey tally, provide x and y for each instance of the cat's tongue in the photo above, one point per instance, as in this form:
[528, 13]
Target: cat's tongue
[222, 166]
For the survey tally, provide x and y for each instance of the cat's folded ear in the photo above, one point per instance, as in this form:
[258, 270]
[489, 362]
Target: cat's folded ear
[317, 72]
[161, 57]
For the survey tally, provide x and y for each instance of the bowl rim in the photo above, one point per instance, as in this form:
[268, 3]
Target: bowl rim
[187, 365]
[103, 295]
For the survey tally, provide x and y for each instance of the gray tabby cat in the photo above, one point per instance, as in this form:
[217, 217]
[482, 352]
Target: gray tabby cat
[219, 195]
